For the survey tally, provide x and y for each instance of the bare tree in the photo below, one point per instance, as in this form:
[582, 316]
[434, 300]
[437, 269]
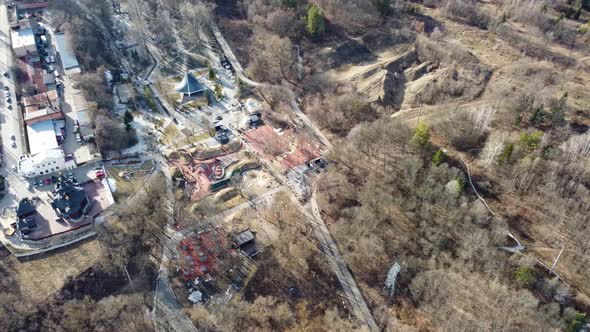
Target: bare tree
[198, 16]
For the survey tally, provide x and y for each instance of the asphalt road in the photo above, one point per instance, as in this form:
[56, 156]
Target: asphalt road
[10, 120]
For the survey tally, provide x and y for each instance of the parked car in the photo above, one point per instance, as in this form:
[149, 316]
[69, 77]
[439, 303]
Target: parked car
[54, 179]
[50, 69]
[8, 100]
[5, 74]
[6, 87]
[7, 94]
[47, 181]
[9, 106]
[13, 144]
[12, 137]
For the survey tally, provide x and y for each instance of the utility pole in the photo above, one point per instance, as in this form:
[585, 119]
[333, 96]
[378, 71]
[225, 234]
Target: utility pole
[128, 276]
[556, 259]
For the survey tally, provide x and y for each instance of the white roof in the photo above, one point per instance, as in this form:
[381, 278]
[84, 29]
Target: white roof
[83, 118]
[42, 136]
[28, 165]
[252, 106]
[23, 38]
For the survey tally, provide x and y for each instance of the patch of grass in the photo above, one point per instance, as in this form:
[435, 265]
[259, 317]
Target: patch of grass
[233, 202]
[126, 188]
[196, 103]
[171, 134]
[43, 275]
[197, 138]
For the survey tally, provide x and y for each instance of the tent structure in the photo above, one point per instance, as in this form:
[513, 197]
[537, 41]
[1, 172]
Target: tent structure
[189, 85]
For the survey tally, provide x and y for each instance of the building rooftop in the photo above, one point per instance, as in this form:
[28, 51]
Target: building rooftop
[26, 214]
[189, 85]
[25, 208]
[48, 78]
[68, 58]
[124, 93]
[45, 222]
[70, 199]
[244, 237]
[252, 106]
[245, 241]
[32, 4]
[83, 118]
[41, 107]
[27, 165]
[23, 38]
[42, 137]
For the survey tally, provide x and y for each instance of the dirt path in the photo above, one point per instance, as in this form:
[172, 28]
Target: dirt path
[359, 306]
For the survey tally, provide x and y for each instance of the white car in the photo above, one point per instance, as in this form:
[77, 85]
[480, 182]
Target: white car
[13, 144]
[7, 94]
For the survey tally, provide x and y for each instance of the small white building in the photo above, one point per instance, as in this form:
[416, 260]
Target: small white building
[45, 163]
[23, 42]
[253, 106]
[46, 156]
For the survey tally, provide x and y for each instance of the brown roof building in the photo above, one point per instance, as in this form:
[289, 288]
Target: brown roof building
[42, 107]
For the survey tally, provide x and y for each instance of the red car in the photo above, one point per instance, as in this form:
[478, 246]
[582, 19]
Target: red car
[100, 174]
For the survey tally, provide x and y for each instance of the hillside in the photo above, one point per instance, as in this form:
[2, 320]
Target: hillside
[418, 102]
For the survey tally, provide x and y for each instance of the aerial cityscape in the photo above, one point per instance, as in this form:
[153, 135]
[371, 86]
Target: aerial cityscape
[295, 165]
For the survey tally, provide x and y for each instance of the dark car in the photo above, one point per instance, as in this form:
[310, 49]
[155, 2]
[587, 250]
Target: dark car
[54, 179]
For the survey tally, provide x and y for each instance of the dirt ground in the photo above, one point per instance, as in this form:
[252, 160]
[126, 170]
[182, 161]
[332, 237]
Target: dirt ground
[127, 187]
[41, 276]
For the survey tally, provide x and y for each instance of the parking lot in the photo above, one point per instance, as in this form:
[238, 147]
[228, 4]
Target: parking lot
[80, 174]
